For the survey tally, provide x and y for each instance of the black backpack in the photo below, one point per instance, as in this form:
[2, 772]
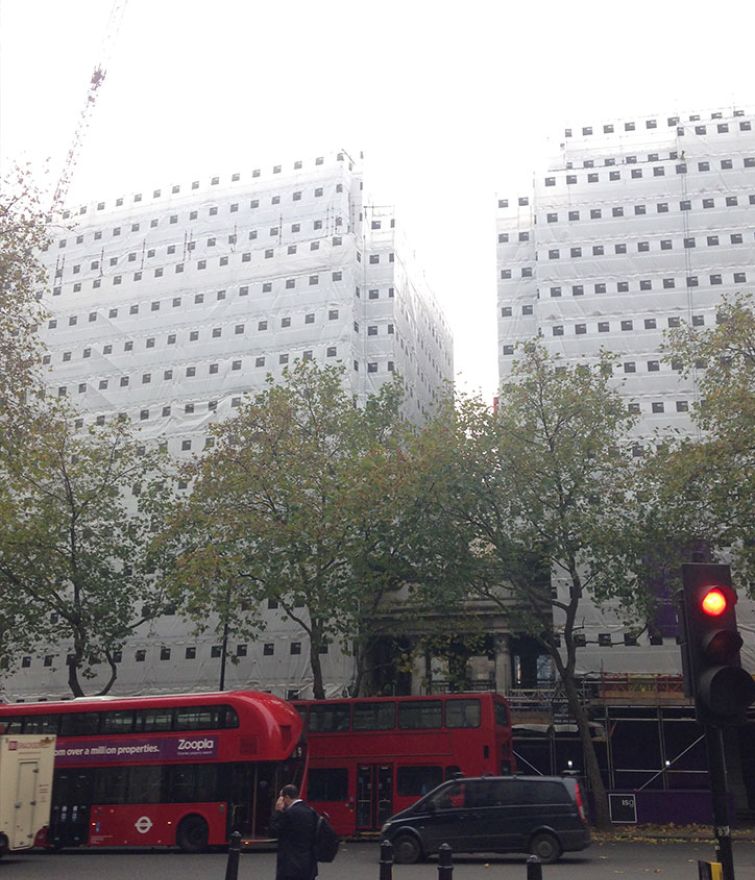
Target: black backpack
[326, 840]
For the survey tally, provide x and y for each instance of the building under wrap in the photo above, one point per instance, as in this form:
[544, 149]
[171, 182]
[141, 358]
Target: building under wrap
[636, 226]
[170, 304]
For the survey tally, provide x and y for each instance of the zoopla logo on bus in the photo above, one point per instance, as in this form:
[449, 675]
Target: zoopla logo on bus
[195, 745]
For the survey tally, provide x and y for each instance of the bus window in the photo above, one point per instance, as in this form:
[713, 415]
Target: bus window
[418, 780]
[329, 784]
[36, 724]
[198, 718]
[231, 718]
[145, 785]
[154, 719]
[328, 718]
[110, 785]
[117, 722]
[72, 787]
[79, 723]
[419, 714]
[463, 713]
[374, 716]
[206, 782]
[501, 714]
[191, 783]
[11, 725]
[182, 784]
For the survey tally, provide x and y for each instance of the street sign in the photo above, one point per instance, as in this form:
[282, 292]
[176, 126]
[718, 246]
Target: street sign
[622, 809]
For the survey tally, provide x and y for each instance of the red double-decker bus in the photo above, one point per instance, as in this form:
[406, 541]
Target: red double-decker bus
[370, 758]
[184, 770]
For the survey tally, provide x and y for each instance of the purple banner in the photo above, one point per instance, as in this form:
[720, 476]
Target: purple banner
[134, 749]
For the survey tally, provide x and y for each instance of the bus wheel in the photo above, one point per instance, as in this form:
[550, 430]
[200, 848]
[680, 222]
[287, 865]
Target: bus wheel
[546, 847]
[192, 834]
[406, 849]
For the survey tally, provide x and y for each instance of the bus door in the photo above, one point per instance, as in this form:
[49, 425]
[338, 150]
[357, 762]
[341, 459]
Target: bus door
[374, 795]
[266, 785]
[328, 791]
[69, 817]
[238, 787]
[251, 791]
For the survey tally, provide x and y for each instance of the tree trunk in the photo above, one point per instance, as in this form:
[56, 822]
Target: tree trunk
[360, 659]
[315, 643]
[113, 674]
[73, 677]
[566, 671]
[592, 769]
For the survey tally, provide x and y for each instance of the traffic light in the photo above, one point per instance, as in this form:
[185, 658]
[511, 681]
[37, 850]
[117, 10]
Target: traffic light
[713, 672]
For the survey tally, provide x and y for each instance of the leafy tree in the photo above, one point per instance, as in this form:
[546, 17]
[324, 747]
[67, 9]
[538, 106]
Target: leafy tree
[425, 551]
[700, 491]
[725, 357]
[74, 565]
[291, 504]
[203, 573]
[23, 236]
[539, 487]
[403, 552]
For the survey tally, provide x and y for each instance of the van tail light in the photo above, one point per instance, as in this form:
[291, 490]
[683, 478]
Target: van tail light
[581, 805]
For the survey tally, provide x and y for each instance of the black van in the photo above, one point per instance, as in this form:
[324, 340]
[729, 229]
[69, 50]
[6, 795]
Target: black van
[543, 815]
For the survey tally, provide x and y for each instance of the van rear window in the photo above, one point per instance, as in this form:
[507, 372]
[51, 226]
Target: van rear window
[548, 793]
[524, 791]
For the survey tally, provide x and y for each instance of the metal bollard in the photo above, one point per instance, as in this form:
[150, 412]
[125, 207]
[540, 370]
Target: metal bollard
[445, 862]
[234, 848]
[534, 868]
[386, 860]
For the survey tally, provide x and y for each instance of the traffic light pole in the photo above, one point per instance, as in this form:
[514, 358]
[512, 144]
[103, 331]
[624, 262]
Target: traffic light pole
[714, 678]
[714, 742]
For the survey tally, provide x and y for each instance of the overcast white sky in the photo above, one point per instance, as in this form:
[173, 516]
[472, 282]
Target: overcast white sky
[450, 102]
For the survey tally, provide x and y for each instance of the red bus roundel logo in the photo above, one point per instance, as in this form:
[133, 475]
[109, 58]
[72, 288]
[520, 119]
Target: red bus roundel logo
[143, 824]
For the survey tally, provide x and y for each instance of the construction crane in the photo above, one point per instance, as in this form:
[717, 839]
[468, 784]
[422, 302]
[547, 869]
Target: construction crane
[95, 83]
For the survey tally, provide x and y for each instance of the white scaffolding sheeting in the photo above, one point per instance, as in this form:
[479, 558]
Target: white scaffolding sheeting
[169, 305]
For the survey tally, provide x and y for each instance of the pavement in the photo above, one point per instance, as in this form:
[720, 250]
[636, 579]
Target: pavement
[608, 860]
[669, 834]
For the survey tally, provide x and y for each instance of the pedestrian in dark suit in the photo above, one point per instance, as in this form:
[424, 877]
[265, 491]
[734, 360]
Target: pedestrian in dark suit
[294, 824]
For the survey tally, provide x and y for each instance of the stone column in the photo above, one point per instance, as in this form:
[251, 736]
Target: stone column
[502, 664]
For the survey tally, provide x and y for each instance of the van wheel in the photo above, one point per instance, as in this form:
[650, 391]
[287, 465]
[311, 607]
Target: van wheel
[546, 847]
[192, 834]
[406, 850]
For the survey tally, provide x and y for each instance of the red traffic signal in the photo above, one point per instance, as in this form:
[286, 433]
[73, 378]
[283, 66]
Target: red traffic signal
[713, 672]
[714, 602]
